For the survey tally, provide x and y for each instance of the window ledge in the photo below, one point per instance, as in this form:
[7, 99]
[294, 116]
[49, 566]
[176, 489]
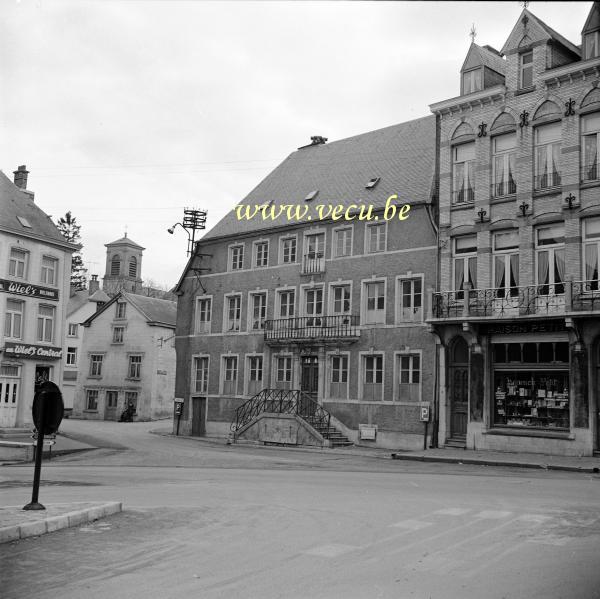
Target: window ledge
[135, 379]
[94, 376]
[589, 184]
[524, 90]
[530, 432]
[503, 199]
[538, 193]
[90, 411]
[463, 206]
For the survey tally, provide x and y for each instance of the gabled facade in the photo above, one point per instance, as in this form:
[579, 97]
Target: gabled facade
[330, 307]
[127, 356]
[517, 311]
[82, 304]
[35, 270]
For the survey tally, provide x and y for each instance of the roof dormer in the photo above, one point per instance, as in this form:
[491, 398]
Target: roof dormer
[483, 67]
[590, 34]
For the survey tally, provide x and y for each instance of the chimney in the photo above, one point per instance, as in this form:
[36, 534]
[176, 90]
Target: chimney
[93, 285]
[21, 177]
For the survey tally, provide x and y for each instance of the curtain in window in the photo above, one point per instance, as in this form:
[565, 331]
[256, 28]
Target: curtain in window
[500, 190]
[512, 186]
[543, 268]
[555, 164]
[559, 261]
[591, 262]
[473, 272]
[542, 167]
[499, 272]
[459, 182]
[590, 153]
[514, 273]
[459, 274]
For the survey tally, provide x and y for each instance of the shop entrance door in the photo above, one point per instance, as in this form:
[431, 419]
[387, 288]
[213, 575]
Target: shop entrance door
[198, 416]
[9, 393]
[459, 389]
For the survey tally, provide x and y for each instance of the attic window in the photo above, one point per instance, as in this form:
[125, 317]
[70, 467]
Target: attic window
[591, 45]
[372, 183]
[471, 81]
[24, 221]
[311, 196]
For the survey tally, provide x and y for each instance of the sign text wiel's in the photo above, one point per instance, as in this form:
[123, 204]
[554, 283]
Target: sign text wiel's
[32, 352]
[28, 290]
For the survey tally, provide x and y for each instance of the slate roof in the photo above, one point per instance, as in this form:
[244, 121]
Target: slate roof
[402, 155]
[125, 241]
[81, 297]
[491, 60]
[16, 202]
[155, 310]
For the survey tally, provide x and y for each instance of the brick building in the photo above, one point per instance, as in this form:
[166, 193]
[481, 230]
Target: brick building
[35, 272]
[518, 306]
[329, 307]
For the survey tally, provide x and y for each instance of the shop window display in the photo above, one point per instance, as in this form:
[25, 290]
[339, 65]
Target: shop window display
[536, 394]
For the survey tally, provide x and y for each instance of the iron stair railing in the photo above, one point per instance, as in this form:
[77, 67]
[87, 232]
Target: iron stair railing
[282, 401]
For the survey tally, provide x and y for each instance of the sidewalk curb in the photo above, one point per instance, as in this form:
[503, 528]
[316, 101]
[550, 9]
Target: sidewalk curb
[67, 520]
[501, 463]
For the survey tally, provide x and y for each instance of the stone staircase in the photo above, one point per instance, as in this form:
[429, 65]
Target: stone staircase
[330, 433]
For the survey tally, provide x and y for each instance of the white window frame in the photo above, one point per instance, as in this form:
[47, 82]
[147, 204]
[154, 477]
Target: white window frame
[329, 357]
[20, 266]
[73, 326]
[247, 372]
[89, 393]
[362, 371]
[506, 256]
[304, 289]
[551, 248]
[369, 227]
[9, 327]
[226, 322]
[71, 356]
[95, 370]
[230, 256]
[251, 321]
[282, 241]
[334, 245]
[331, 295]
[223, 374]
[115, 340]
[120, 310]
[46, 270]
[523, 67]
[505, 187]
[278, 293]
[475, 83]
[194, 381]
[364, 311]
[590, 243]
[594, 36]
[590, 172]
[468, 176]
[398, 355]
[255, 245]
[45, 319]
[275, 382]
[203, 326]
[134, 368]
[463, 258]
[417, 316]
[548, 149]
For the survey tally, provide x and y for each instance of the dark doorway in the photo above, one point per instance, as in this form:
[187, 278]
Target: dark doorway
[198, 416]
[597, 394]
[459, 389]
[310, 376]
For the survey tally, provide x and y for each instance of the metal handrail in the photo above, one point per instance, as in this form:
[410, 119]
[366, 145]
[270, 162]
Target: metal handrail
[313, 327]
[283, 401]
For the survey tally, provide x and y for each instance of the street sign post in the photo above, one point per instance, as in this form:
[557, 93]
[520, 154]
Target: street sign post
[47, 411]
[425, 415]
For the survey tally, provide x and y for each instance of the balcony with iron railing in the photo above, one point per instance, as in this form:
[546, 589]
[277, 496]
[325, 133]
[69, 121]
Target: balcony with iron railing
[313, 263]
[547, 181]
[462, 196]
[504, 188]
[515, 302]
[313, 328]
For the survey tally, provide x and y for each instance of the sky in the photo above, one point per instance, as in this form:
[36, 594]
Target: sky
[125, 112]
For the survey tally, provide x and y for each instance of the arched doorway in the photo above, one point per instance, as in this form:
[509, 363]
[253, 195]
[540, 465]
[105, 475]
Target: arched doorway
[459, 389]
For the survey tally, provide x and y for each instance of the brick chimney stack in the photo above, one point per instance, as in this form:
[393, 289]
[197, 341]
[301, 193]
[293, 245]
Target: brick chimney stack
[21, 177]
[93, 285]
